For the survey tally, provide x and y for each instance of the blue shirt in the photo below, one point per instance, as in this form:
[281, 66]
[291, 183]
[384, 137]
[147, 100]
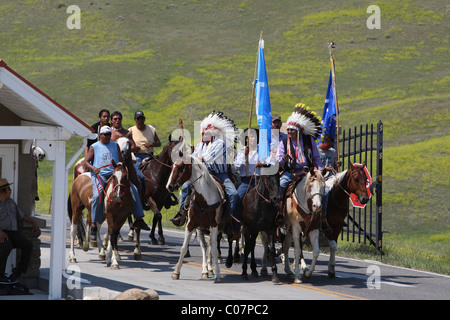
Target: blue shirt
[103, 156]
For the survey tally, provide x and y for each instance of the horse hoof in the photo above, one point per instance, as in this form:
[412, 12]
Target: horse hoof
[153, 241]
[118, 257]
[275, 280]
[115, 267]
[298, 280]
[94, 244]
[86, 247]
[205, 275]
[137, 257]
[331, 275]
[211, 273]
[175, 276]
[130, 238]
[229, 263]
[218, 280]
[255, 274]
[161, 241]
[73, 260]
[264, 272]
[245, 277]
[102, 257]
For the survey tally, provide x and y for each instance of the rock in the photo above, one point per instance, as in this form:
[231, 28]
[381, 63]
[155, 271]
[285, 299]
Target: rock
[138, 294]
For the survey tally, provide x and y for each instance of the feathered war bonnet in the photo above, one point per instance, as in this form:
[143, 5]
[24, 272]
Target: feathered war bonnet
[219, 126]
[305, 121]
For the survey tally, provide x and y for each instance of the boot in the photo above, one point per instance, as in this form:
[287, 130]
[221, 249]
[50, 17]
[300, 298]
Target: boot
[279, 220]
[180, 218]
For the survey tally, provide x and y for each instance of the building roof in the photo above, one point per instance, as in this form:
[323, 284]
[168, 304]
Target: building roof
[31, 104]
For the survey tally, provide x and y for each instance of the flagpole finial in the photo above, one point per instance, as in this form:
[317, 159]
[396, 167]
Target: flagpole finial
[331, 46]
[261, 35]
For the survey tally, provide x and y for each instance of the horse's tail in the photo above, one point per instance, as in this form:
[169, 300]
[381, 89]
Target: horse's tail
[81, 230]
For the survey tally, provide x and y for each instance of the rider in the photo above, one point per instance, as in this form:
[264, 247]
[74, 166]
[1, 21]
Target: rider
[117, 132]
[103, 118]
[248, 168]
[99, 162]
[218, 134]
[298, 152]
[329, 161]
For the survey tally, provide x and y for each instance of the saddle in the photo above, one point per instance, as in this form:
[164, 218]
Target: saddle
[287, 194]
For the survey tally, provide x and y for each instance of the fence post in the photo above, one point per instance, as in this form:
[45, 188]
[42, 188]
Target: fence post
[379, 187]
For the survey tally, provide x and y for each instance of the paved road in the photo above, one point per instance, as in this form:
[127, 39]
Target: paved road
[356, 279]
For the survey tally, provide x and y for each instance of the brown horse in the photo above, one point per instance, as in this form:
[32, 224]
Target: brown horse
[157, 172]
[350, 181]
[207, 211]
[259, 210]
[117, 208]
[118, 201]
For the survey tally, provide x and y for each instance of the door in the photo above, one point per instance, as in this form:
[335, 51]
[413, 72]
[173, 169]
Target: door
[8, 164]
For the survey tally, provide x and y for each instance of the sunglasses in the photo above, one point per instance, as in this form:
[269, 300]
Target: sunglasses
[106, 134]
[117, 119]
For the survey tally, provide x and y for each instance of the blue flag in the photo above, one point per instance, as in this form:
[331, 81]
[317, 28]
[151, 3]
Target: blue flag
[329, 110]
[263, 111]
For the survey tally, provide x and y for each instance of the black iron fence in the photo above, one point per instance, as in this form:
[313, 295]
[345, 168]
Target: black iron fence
[358, 145]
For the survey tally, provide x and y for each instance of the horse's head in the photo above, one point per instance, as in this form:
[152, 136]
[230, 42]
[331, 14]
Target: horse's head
[357, 183]
[272, 185]
[125, 147]
[119, 183]
[315, 189]
[181, 172]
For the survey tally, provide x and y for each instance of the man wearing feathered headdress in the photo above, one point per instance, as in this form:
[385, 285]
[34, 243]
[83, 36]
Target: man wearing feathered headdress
[216, 151]
[298, 151]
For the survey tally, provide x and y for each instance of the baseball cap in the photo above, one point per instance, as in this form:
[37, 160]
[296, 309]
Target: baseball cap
[276, 117]
[138, 114]
[105, 130]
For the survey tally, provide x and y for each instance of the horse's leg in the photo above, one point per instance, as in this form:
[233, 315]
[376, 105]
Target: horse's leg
[303, 265]
[73, 230]
[131, 232]
[246, 252]
[156, 214]
[215, 254]
[252, 252]
[205, 254]
[219, 238]
[230, 259]
[314, 238]
[297, 253]
[332, 261]
[183, 250]
[88, 231]
[273, 263]
[286, 246]
[113, 244]
[236, 255]
[264, 240]
[137, 247]
[161, 240]
[101, 247]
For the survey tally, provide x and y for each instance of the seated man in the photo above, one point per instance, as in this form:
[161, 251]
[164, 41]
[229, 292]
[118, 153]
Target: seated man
[10, 237]
[98, 161]
[250, 152]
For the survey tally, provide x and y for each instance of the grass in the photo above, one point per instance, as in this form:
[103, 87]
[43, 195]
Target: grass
[182, 59]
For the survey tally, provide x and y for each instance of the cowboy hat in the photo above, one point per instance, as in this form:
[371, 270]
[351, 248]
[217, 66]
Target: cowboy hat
[4, 183]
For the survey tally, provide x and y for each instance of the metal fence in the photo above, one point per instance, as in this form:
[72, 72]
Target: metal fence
[358, 145]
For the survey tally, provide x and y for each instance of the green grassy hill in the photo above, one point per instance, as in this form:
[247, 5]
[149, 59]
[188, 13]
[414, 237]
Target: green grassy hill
[175, 59]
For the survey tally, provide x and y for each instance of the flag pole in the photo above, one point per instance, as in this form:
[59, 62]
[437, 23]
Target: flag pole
[252, 104]
[331, 46]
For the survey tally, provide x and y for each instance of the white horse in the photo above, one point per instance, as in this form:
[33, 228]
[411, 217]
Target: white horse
[206, 212]
[303, 210]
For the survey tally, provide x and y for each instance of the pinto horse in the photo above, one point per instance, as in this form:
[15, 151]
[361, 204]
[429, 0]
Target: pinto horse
[342, 185]
[118, 201]
[303, 210]
[259, 210]
[208, 211]
[157, 172]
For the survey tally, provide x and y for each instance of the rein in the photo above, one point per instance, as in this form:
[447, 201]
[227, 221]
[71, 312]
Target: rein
[103, 189]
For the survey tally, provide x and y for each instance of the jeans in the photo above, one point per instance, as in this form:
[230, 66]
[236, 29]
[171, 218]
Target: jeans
[97, 202]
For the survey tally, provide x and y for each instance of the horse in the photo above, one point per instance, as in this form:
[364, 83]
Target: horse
[303, 209]
[118, 201]
[259, 210]
[157, 172]
[208, 211]
[341, 185]
[125, 149]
